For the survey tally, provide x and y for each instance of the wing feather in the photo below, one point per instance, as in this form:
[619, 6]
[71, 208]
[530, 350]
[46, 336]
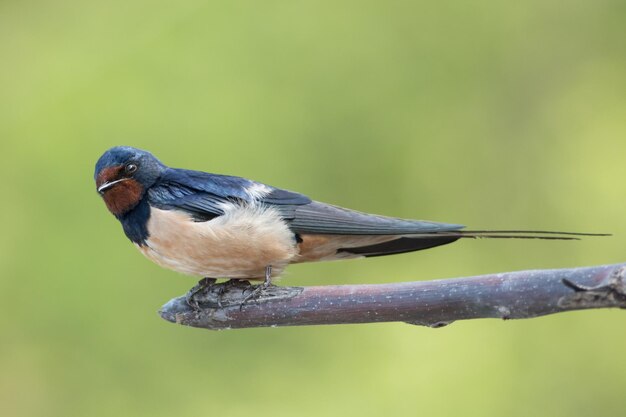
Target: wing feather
[206, 196]
[320, 218]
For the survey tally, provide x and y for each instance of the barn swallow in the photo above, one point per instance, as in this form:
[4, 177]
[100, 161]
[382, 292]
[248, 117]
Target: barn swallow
[219, 226]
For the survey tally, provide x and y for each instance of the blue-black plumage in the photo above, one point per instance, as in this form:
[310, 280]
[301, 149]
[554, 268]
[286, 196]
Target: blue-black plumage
[224, 226]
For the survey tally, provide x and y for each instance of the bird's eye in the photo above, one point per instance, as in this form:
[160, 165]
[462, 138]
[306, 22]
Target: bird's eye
[130, 168]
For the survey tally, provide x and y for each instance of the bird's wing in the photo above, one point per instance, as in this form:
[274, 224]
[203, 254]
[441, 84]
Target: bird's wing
[320, 218]
[205, 196]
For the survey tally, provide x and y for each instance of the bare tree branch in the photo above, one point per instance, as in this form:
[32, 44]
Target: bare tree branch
[508, 295]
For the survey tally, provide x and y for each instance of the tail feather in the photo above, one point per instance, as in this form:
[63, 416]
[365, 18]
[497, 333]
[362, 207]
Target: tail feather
[420, 241]
[400, 245]
[539, 232]
[520, 234]
[512, 236]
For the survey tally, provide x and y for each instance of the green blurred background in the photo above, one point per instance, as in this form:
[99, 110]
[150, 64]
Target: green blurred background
[491, 114]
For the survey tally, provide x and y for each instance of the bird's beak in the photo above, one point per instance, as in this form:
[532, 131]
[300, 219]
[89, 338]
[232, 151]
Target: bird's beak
[109, 184]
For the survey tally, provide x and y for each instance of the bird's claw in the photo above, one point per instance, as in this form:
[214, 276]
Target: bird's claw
[259, 289]
[207, 291]
[191, 297]
[231, 284]
[257, 292]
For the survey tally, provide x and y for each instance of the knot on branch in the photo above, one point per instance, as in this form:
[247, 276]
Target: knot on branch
[431, 324]
[612, 293]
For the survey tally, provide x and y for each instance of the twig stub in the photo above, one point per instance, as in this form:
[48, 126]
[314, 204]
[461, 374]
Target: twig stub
[607, 294]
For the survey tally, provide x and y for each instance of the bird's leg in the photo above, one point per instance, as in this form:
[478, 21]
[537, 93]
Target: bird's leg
[204, 283]
[258, 290]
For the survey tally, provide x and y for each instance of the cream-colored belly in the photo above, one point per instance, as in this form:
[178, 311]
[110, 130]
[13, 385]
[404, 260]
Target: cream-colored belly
[239, 244]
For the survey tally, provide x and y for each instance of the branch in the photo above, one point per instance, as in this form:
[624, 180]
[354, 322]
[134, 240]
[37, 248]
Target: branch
[509, 295]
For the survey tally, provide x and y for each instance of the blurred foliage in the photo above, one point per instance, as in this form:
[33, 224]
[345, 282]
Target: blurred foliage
[491, 114]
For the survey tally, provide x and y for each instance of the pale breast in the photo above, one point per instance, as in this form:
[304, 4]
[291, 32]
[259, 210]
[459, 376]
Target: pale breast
[238, 244]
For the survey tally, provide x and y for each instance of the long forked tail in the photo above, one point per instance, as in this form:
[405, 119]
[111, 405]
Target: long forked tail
[415, 242]
[519, 234]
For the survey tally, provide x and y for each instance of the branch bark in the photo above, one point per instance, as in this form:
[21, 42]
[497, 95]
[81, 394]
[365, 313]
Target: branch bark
[508, 295]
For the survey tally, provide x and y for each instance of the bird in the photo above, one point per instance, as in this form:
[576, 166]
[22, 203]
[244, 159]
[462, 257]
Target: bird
[216, 226]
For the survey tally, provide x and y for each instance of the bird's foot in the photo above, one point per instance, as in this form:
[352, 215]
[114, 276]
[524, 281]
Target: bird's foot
[258, 290]
[229, 285]
[256, 293]
[210, 294]
[193, 294]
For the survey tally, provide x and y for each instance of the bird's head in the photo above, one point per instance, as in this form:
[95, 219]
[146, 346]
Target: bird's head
[123, 174]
